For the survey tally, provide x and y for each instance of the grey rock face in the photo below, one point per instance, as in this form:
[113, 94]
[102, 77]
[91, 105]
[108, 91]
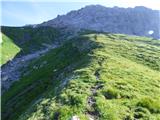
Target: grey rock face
[134, 21]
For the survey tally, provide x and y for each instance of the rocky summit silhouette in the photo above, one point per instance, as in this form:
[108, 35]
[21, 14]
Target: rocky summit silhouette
[140, 21]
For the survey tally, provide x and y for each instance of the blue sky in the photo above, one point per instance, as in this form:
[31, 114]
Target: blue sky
[22, 12]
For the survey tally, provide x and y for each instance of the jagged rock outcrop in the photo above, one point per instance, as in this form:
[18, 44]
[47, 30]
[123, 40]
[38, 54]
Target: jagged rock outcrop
[134, 21]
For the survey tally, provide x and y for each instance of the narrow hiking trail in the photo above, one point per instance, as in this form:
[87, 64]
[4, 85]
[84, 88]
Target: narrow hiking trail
[93, 114]
[11, 71]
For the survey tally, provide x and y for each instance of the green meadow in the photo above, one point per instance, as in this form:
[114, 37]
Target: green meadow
[98, 75]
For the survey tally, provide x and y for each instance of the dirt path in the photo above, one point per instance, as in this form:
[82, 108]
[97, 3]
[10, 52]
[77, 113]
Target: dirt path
[94, 114]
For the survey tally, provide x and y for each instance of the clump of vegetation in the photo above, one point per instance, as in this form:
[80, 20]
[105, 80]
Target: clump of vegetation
[152, 105]
[141, 113]
[111, 93]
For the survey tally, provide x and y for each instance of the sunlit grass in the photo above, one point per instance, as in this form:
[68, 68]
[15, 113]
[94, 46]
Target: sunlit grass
[126, 67]
[8, 49]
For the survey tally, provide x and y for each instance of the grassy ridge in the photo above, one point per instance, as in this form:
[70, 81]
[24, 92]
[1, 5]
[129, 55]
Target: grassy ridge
[42, 74]
[120, 74]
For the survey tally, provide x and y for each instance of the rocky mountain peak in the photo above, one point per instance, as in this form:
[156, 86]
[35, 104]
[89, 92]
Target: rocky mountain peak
[133, 21]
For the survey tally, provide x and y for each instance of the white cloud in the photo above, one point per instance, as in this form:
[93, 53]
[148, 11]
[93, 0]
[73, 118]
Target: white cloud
[150, 32]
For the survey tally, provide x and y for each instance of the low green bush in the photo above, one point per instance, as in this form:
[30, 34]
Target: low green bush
[111, 93]
[152, 105]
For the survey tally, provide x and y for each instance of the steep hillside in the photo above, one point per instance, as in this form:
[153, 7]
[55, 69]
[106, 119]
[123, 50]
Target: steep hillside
[99, 76]
[25, 40]
[20, 45]
[133, 21]
[8, 49]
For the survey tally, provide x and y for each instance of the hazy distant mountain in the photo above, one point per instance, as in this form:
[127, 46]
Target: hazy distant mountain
[135, 21]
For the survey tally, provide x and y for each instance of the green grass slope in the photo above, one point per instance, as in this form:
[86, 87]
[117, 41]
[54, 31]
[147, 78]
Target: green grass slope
[104, 76]
[25, 40]
[8, 49]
